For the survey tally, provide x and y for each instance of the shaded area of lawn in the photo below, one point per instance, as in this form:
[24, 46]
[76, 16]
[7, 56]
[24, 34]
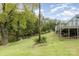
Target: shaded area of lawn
[55, 46]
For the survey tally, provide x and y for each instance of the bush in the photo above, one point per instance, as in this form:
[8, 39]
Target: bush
[43, 40]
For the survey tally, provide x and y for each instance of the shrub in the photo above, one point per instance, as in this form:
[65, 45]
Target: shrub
[43, 40]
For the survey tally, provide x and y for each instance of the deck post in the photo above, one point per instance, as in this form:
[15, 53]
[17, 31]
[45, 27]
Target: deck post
[77, 32]
[60, 30]
[68, 32]
[77, 27]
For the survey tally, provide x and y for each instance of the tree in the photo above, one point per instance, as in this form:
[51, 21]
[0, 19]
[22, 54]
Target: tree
[38, 6]
[16, 25]
[35, 6]
[39, 25]
[4, 22]
[31, 20]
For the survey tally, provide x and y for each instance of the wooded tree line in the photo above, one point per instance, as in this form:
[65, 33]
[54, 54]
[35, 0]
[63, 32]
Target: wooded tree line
[16, 24]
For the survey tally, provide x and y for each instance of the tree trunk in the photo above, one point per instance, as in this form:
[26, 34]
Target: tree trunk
[39, 24]
[4, 34]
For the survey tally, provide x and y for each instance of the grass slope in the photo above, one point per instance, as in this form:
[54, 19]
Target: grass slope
[56, 46]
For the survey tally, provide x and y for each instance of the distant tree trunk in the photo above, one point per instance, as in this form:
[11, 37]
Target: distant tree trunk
[19, 31]
[32, 7]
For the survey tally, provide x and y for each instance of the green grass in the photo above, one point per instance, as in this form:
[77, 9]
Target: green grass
[55, 46]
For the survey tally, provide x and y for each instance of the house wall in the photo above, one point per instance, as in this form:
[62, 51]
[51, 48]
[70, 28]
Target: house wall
[71, 28]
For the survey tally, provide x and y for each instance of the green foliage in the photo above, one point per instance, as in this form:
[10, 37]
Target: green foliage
[23, 24]
[43, 40]
[48, 25]
[9, 7]
[3, 17]
[19, 23]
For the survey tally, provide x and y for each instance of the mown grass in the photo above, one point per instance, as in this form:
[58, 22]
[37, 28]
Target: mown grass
[55, 46]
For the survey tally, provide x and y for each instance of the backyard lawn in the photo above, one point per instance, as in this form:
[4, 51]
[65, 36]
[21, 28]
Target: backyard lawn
[55, 46]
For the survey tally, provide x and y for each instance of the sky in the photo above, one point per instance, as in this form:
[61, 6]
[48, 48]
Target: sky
[61, 11]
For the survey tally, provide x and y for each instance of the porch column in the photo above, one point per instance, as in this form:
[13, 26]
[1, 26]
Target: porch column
[68, 32]
[77, 32]
[60, 30]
